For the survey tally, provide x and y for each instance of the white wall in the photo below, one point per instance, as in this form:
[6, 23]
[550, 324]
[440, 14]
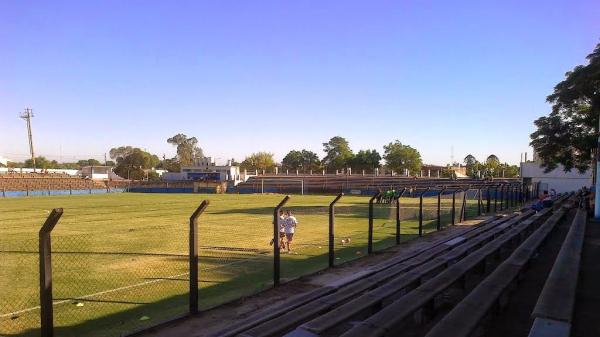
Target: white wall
[557, 179]
[30, 170]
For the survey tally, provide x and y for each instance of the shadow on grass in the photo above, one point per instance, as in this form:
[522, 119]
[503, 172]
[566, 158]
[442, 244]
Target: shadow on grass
[144, 315]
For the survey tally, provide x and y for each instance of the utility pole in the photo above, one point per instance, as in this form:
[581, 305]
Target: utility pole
[26, 115]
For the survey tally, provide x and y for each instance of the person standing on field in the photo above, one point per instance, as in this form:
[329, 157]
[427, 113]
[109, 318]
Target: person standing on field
[290, 228]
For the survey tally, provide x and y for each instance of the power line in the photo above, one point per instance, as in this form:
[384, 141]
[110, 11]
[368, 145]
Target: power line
[27, 115]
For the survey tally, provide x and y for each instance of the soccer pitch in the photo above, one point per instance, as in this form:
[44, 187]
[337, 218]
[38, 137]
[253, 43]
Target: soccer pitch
[120, 261]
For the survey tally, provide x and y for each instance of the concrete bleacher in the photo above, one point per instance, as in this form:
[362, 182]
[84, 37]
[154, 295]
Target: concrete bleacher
[47, 181]
[481, 264]
[554, 309]
[339, 183]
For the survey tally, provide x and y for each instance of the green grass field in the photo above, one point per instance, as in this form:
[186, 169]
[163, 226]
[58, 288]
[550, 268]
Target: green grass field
[120, 260]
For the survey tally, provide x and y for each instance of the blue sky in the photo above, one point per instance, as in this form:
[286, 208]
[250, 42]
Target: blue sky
[246, 76]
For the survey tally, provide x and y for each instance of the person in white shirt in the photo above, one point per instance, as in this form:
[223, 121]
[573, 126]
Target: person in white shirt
[290, 228]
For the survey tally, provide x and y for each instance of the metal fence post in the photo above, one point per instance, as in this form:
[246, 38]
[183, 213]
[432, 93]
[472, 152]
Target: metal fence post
[193, 295]
[4, 192]
[421, 211]
[331, 229]
[276, 255]
[479, 205]
[489, 200]
[463, 210]
[453, 206]
[502, 198]
[370, 240]
[45, 253]
[398, 215]
[439, 209]
[495, 199]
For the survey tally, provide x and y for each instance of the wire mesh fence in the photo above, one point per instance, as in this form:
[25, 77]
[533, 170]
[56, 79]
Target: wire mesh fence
[118, 274]
[120, 284]
[306, 244]
[235, 250]
[351, 228]
[19, 307]
[472, 206]
[429, 215]
[384, 224]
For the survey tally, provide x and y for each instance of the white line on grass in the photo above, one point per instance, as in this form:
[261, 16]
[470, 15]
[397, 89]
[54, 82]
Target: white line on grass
[123, 288]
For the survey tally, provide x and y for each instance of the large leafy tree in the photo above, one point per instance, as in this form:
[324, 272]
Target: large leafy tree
[367, 160]
[399, 157]
[187, 149]
[89, 162]
[568, 135]
[303, 160]
[492, 166]
[472, 165]
[337, 153]
[258, 161]
[135, 164]
[120, 152]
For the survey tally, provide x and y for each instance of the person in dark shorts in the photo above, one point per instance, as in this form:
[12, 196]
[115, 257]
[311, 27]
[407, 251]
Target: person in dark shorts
[290, 228]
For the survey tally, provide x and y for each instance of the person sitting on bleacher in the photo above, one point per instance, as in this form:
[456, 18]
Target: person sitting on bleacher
[544, 201]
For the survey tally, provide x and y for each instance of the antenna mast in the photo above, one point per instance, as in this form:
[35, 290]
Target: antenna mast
[26, 115]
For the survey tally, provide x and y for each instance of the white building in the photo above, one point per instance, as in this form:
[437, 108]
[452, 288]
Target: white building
[206, 169]
[558, 179]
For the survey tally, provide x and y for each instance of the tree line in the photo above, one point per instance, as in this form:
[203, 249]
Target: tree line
[340, 157]
[135, 163]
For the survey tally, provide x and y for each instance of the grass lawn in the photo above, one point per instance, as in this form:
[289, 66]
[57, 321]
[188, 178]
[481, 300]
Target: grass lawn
[120, 260]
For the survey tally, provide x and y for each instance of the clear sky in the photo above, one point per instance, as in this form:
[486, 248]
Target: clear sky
[246, 76]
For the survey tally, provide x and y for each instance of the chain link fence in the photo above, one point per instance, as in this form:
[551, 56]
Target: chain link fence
[118, 280]
[235, 256]
[351, 229]
[19, 307]
[306, 250]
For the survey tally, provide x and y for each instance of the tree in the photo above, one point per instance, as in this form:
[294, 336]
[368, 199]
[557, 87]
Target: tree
[171, 165]
[510, 171]
[303, 161]
[258, 161]
[492, 166]
[568, 135]
[292, 160]
[135, 164]
[89, 162]
[338, 153]
[367, 160]
[399, 157]
[472, 165]
[187, 149]
[120, 152]
[41, 163]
